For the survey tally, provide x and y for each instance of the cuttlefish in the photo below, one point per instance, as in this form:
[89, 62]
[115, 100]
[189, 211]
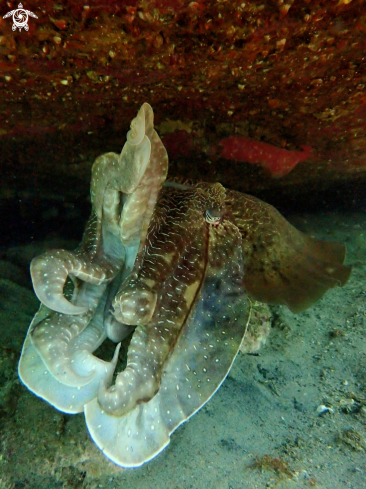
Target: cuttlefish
[178, 267]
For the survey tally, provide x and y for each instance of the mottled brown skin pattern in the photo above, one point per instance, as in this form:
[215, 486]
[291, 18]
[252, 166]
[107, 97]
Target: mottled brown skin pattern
[176, 227]
[283, 265]
[169, 274]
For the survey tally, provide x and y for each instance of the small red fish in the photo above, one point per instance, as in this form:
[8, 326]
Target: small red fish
[277, 161]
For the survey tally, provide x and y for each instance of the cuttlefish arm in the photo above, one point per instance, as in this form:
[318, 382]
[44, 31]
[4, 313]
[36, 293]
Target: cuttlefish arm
[90, 263]
[138, 185]
[69, 376]
[130, 181]
[50, 271]
[283, 265]
[58, 337]
[170, 266]
[157, 299]
[202, 348]
[136, 177]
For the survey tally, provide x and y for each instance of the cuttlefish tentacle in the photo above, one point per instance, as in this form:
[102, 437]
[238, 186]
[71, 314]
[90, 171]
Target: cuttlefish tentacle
[283, 265]
[202, 356]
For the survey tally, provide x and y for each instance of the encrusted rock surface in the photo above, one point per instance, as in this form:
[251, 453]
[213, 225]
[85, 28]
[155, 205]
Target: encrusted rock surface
[288, 74]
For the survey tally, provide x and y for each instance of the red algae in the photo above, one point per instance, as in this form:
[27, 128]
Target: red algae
[277, 161]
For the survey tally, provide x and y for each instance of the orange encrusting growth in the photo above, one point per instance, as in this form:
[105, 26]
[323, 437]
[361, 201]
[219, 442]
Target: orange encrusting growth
[278, 161]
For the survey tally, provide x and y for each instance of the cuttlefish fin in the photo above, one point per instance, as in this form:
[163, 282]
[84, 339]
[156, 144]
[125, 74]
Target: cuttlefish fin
[282, 264]
[67, 399]
[58, 365]
[197, 366]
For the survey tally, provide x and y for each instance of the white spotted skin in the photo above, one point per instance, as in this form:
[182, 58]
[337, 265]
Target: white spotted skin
[134, 304]
[50, 271]
[140, 379]
[204, 351]
[60, 335]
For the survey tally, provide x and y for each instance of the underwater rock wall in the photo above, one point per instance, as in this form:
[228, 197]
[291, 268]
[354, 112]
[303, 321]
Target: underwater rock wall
[282, 73]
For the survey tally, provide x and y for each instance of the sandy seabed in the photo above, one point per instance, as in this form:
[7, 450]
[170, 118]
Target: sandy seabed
[293, 416]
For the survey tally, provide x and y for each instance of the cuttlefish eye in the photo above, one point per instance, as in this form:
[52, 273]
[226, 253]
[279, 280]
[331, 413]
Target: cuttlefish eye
[213, 216]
